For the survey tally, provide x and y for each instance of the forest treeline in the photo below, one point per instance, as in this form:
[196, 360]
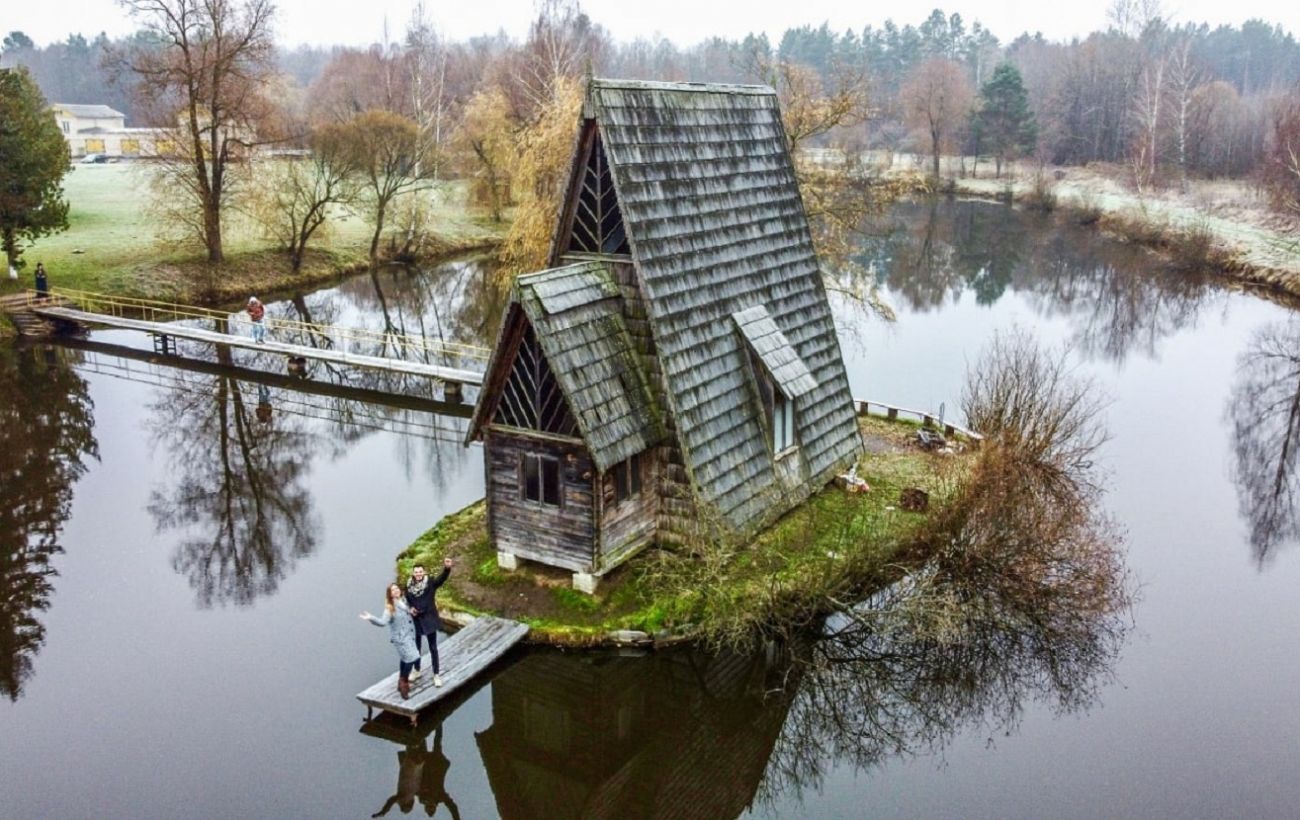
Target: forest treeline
[1160, 100]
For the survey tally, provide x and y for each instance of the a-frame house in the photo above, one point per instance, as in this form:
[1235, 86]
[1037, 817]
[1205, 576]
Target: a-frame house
[677, 370]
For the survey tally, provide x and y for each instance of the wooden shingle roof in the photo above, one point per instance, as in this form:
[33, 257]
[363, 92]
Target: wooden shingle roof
[577, 314]
[709, 199]
[774, 351]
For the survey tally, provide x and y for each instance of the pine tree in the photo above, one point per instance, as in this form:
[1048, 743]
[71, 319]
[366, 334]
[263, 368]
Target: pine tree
[1002, 124]
[33, 159]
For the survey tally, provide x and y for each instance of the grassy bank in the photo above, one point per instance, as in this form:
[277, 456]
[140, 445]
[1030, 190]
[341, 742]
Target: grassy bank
[835, 539]
[1220, 227]
[112, 244]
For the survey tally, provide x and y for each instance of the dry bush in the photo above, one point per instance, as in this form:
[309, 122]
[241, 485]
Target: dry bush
[1196, 249]
[1087, 210]
[1028, 401]
[1041, 195]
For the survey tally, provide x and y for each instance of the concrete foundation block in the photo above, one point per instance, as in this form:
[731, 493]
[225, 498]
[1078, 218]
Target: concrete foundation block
[585, 582]
[507, 560]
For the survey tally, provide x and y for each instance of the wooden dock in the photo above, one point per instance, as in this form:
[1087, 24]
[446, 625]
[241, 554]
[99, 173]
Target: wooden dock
[462, 656]
[178, 331]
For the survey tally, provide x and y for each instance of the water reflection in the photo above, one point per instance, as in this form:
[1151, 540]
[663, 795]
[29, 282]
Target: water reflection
[676, 735]
[1264, 409]
[46, 436]
[935, 251]
[687, 735]
[239, 492]
[422, 775]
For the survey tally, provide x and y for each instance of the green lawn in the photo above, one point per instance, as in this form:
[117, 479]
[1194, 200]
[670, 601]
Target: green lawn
[111, 244]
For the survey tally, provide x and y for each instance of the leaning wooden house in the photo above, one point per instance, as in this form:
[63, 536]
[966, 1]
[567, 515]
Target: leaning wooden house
[678, 366]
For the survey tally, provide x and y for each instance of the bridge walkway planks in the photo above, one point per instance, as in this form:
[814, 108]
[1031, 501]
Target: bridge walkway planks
[176, 331]
[462, 656]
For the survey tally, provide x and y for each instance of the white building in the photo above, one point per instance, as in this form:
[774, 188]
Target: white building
[98, 129]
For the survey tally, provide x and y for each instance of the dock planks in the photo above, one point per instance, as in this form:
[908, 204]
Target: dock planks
[176, 331]
[462, 656]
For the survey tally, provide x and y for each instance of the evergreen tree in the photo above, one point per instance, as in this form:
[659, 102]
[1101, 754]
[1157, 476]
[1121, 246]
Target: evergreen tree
[33, 159]
[1002, 123]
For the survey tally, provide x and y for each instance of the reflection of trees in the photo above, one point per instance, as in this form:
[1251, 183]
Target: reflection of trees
[46, 432]
[238, 491]
[868, 693]
[1121, 299]
[1265, 413]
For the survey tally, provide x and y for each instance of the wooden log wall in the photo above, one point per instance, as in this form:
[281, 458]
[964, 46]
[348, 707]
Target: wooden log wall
[676, 506]
[629, 525]
[563, 536]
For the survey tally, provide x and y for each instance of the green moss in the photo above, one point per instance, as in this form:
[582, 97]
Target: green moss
[575, 601]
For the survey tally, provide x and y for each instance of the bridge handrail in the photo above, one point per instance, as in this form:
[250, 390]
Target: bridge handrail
[153, 308]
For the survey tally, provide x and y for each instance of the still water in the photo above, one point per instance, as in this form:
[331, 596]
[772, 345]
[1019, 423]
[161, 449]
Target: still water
[183, 554]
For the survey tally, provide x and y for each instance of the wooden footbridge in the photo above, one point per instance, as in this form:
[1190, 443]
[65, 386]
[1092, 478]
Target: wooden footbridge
[462, 656]
[453, 364]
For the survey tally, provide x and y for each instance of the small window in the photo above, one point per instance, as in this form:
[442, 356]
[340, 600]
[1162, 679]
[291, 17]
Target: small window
[782, 422]
[540, 479]
[778, 409]
[627, 478]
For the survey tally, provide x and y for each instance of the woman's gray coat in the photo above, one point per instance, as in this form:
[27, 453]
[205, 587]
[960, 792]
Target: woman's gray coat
[401, 630]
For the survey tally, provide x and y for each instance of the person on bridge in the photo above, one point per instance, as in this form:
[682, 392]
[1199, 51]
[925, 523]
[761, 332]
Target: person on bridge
[419, 595]
[401, 633]
[257, 312]
[42, 282]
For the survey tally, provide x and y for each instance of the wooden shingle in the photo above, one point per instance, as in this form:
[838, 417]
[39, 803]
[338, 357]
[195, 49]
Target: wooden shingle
[712, 209]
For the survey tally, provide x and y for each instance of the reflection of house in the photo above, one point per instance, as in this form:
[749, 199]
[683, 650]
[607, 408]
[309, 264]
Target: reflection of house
[98, 129]
[680, 361]
[679, 736]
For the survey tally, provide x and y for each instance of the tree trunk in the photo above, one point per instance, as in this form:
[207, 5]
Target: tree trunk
[934, 144]
[379, 230]
[212, 232]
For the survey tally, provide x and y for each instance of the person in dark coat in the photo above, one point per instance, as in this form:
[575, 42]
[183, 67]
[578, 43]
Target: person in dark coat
[42, 282]
[419, 597]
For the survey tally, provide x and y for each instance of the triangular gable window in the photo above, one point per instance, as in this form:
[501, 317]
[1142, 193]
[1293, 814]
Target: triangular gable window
[531, 398]
[597, 223]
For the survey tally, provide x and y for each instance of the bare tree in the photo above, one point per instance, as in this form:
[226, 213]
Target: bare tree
[295, 197]
[937, 98]
[208, 82]
[562, 42]
[426, 63]
[1184, 79]
[1147, 104]
[384, 151]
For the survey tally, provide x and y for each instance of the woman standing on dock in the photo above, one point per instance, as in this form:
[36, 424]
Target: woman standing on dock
[401, 632]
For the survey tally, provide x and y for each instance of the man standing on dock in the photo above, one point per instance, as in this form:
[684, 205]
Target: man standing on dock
[256, 312]
[419, 596]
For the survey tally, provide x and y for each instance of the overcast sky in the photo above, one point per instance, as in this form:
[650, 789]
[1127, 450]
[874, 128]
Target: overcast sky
[358, 22]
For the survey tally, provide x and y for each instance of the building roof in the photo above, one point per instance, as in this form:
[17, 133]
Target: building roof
[774, 351]
[708, 196]
[90, 112]
[577, 314]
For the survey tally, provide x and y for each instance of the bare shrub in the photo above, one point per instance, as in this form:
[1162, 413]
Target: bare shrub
[1029, 402]
[1087, 210]
[1041, 195]
[1196, 249]
[1139, 226]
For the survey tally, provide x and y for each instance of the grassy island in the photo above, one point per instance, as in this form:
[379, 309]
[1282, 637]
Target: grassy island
[836, 541]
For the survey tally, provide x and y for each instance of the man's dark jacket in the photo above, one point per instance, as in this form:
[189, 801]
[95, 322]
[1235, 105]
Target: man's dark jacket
[428, 621]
